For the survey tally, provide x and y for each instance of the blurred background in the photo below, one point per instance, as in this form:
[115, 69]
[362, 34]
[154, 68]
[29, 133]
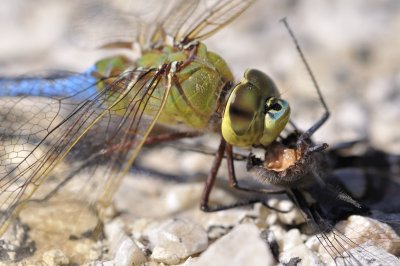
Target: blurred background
[351, 46]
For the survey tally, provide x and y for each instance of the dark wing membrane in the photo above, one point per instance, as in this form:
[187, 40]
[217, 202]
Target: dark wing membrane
[37, 133]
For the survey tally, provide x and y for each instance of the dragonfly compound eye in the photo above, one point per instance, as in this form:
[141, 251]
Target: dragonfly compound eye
[277, 113]
[251, 106]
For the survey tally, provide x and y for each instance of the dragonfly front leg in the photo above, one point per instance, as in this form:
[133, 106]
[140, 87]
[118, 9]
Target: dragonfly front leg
[222, 149]
[235, 184]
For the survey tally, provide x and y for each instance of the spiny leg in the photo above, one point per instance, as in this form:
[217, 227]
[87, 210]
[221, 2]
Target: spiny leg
[223, 147]
[233, 180]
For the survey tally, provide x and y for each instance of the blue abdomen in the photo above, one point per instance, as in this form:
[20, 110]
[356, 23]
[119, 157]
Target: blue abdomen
[61, 84]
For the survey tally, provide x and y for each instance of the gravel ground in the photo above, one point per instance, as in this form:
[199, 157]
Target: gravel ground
[352, 48]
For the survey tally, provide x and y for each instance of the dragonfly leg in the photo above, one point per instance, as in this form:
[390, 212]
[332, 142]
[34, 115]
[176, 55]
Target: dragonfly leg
[210, 183]
[235, 184]
[151, 140]
[223, 147]
[211, 177]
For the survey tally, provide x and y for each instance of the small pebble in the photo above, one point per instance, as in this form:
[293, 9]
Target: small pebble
[292, 239]
[362, 229]
[176, 239]
[226, 219]
[301, 251]
[125, 250]
[358, 231]
[293, 217]
[55, 257]
[242, 246]
[128, 253]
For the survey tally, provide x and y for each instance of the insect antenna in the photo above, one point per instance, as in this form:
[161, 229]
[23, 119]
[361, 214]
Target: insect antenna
[309, 132]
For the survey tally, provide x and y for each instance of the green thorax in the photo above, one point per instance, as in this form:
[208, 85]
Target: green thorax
[201, 81]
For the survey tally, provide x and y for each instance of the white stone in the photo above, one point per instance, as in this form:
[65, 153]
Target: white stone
[189, 261]
[176, 239]
[129, 253]
[242, 246]
[114, 232]
[301, 251]
[224, 219]
[55, 257]
[139, 226]
[125, 250]
[293, 217]
[102, 263]
[359, 235]
[291, 239]
[279, 233]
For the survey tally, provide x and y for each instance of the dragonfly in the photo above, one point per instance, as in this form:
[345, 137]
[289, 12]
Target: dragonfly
[117, 101]
[105, 115]
[305, 172]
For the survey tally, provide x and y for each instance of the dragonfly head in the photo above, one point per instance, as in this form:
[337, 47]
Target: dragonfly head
[254, 113]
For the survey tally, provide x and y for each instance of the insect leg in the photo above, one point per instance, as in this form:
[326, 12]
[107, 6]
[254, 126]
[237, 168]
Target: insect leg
[235, 184]
[170, 137]
[325, 115]
[232, 182]
[211, 177]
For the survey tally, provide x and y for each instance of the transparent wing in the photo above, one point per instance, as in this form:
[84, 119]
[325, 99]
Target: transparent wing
[147, 22]
[358, 241]
[372, 238]
[97, 123]
[37, 133]
[98, 24]
[207, 18]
